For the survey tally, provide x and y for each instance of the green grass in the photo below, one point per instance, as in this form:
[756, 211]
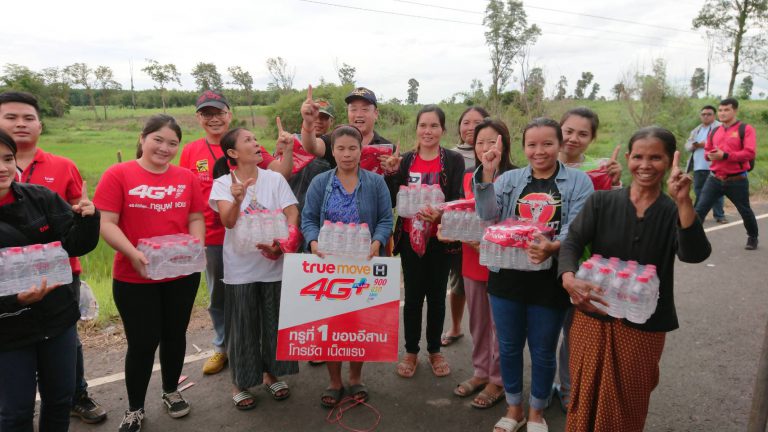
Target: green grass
[93, 146]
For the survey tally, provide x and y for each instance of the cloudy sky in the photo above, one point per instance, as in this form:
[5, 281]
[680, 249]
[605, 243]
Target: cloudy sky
[438, 42]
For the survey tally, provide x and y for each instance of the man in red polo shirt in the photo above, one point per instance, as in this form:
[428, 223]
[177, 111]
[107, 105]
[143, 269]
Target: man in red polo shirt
[214, 116]
[20, 118]
[730, 148]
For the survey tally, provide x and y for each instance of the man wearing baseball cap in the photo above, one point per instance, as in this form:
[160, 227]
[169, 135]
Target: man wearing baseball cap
[214, 116]
[362, 112]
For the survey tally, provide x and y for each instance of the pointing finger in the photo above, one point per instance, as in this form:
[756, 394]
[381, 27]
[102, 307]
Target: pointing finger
[615, 154]
[397, 149]
[279, 125]
[234, 177]
[84, 194]
[309, 92]
[498, 143]
[676, 160]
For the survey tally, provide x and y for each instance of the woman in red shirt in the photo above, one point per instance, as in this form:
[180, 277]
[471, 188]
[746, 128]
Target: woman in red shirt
[139, 199]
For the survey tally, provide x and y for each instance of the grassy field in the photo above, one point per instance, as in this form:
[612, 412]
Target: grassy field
[93, 146]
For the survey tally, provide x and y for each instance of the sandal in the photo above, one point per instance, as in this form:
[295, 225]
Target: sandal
[538, 427]
[486, 400]
[244, 396]
[275, 388]
[407, 367]
[332, 394]
[446, 340]
[440, 367]
[359, 392]
[466, 388]
[509, 424]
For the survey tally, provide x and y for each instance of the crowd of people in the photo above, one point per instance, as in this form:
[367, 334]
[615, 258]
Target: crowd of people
[606, 368]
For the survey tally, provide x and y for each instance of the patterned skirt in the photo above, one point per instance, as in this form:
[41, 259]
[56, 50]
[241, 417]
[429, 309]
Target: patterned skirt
[614, 368]
[251, 314]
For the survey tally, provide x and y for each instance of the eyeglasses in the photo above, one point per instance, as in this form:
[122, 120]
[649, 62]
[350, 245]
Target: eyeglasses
[209, 115]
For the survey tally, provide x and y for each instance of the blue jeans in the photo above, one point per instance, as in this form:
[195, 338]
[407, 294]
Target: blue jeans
[737, 192]
[48, 365]
[699, 178]
[515, 323]
[214, 273]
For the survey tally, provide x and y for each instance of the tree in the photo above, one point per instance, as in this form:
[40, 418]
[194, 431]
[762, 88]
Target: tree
[207, 77]
[698, 82]
[282, 78]
[740, 26]
[593, 93]
[618, 90]
[57, 86]
[107, 85]
[244, 80]
[562, 88]
[533, 91]
[81, 75]
[162, 74]
[507, 34]
[745, 88]
[413, 91]
[346, 74]
[582, 84]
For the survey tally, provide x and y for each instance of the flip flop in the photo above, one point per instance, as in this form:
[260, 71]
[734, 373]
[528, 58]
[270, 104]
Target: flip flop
[468, 388]
[276, 387]
[358, 389]
[243, 396]
[489, 399]
[446, 340]
[407, 367]
[331, 393]
[509, 425]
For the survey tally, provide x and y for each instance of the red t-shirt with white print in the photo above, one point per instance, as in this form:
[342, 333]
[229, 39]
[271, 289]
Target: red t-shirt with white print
[149, 205]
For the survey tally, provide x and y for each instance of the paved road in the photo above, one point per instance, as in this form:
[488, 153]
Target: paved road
[708, 368]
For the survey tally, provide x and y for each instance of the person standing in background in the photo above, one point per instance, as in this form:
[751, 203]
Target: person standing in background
[698, 161]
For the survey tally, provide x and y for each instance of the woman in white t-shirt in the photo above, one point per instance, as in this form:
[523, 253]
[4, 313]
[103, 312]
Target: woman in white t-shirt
[252, 279]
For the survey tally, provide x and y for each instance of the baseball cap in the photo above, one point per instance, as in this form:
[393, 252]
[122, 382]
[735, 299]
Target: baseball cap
[361, 93]
[326, 108]
[210, 98]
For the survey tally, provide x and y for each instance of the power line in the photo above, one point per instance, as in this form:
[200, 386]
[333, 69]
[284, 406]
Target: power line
[390, 13]
[553, 10]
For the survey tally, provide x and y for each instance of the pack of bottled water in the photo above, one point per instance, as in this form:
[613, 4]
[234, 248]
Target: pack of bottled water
[347, 240]
[23, 267]
[259, 227]
[172, 255]
[630, 289]
[504, 245]
[411, 199]
[460, 222]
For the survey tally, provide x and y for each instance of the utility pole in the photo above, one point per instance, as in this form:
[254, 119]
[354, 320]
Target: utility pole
[133, 94]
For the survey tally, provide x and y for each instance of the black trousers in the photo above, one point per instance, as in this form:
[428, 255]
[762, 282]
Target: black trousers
[154, 314]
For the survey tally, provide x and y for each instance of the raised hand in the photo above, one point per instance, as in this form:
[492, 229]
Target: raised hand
[284, 139]
[239, 190]
[391, 163]
[491, 160]
[614, 167]
[679, 183]
[84, 207]
[34, 294]
[310, 111]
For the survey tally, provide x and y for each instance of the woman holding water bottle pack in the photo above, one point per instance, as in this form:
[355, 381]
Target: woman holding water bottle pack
[529, 305]
[252, 278]
[347, 195]
[140, 199]
[614, 364]
[38, 335]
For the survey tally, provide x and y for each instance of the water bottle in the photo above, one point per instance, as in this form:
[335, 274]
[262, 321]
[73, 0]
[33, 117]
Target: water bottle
[324, 237]
[617, 295]
[586, 271]
[447, 224]
[414, 193]
[469, 224]
[281, 225]
[363, 240]
[637, 309]
[60, 270]
[350, 240]
[602, 279]
[437, 195]
[338, 239]
[155, 258]
[268, 227]
[402, 201]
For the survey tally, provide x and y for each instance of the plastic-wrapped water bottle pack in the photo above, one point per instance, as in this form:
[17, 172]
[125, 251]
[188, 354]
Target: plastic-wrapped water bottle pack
[172, 255]
[23, 267]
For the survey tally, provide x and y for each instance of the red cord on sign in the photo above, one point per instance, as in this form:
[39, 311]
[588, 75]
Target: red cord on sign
[337, 413]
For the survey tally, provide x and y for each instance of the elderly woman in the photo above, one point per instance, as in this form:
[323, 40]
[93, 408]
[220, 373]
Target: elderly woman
[614, 364]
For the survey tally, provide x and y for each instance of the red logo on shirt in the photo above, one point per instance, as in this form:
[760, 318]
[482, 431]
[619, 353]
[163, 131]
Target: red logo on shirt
[539, 207]
[44, 228]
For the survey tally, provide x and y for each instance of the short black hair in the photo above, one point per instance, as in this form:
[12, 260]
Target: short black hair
[730, 101]
[20, 97]
[708, 107]
[6, 140]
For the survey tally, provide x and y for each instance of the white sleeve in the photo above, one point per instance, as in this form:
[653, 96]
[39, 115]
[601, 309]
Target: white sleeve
[284, 193]
[220, 192]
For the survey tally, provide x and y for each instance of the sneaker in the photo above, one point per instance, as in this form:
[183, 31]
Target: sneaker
[132, 421]
[88, 410]
[177, 406]
[751, 243]
[215, 363]
[722, 220]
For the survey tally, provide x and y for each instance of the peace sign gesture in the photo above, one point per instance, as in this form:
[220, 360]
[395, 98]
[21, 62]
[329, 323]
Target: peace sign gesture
[239, 190]
[491, 160]
[391, 164]
[84, 207]
[310, 111]
[678, 183]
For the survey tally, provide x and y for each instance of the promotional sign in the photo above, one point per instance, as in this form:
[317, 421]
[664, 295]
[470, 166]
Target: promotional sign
[339, 309]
